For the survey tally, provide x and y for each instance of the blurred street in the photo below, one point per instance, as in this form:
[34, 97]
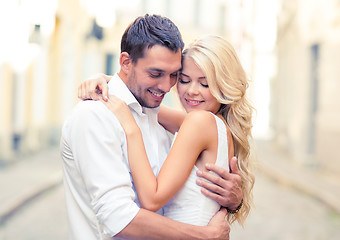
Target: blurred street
[288, 49]
[281, 211]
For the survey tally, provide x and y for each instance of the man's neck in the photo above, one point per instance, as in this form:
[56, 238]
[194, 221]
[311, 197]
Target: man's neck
[122, 76]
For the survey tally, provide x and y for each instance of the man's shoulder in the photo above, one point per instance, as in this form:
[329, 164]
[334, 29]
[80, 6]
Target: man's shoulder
[89, 107]
[91, 114]
[95, 110]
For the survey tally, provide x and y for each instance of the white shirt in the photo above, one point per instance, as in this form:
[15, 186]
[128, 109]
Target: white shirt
[100, 196]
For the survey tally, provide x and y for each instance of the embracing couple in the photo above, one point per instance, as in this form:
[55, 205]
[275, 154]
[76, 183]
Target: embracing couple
[125, 176]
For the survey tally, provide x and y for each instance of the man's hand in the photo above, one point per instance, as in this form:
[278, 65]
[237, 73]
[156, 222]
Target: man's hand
[93, 87]
[226, 188]
[219, 225]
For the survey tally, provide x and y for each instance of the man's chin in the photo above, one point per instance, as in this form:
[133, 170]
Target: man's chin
[152, 104]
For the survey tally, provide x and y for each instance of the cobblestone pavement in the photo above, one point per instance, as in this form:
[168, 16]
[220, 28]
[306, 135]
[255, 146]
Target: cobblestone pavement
[41, 219]
[281, 212]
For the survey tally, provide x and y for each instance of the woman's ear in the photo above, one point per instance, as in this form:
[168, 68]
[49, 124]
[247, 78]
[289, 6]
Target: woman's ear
[125, 62]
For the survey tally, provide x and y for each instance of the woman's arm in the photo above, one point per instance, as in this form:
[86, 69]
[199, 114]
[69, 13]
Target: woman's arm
[154, 193]
[171, 119]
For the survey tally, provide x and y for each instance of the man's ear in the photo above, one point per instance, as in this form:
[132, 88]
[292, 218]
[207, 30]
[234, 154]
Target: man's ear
[125, 62]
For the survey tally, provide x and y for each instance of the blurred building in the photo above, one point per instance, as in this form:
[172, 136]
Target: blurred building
[49, 47]
[305, 107]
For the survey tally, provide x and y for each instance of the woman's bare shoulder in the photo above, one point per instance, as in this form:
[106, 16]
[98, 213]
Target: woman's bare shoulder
[200, 119]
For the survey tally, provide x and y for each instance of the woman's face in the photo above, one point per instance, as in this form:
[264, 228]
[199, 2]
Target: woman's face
[193, 89]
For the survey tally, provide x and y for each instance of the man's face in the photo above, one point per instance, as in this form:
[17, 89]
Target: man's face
[154, 75]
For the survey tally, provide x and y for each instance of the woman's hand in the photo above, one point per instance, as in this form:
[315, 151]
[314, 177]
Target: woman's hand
[94, 87]
[123, 113]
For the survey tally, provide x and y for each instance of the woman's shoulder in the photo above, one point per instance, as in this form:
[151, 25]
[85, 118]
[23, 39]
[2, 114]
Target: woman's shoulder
[200, 119]
[198, 127]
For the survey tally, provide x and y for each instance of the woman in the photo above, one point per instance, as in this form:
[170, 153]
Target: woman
[211, 88]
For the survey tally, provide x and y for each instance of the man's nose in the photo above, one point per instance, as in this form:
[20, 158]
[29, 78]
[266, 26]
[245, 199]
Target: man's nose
[166, 84]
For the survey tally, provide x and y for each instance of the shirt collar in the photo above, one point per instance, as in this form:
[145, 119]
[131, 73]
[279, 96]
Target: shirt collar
[118, 88]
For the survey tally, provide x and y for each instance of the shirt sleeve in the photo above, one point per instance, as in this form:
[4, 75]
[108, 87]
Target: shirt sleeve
[97, 140]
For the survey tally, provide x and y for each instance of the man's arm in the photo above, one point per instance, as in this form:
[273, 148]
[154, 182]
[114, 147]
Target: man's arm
[226, 189]
[149, 225]
[96, 140]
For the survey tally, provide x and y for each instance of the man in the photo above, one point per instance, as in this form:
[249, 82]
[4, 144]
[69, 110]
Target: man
[99, 191]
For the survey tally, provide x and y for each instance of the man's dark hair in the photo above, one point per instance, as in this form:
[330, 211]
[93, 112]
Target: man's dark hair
[147, 31]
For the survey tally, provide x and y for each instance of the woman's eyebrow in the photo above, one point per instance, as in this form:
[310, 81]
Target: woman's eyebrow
[184, 75]
[200, 78]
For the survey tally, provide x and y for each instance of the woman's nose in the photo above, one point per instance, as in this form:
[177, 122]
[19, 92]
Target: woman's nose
[193, 89]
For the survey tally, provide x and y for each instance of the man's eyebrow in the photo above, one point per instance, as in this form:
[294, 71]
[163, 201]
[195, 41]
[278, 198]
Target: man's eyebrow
[156, 70]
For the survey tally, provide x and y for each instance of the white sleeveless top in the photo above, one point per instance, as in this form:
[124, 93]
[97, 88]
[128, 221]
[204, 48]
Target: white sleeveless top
[189, 205]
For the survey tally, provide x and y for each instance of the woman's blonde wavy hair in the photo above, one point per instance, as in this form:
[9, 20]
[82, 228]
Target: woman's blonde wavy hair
[228, 84]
